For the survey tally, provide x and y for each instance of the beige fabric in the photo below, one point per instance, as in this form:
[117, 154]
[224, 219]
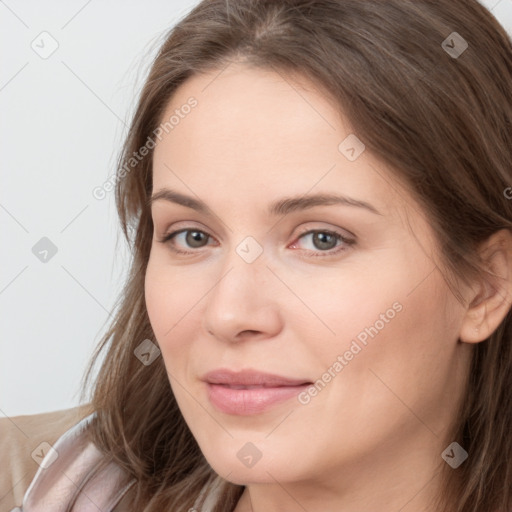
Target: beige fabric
[21, 439]
[67, 462]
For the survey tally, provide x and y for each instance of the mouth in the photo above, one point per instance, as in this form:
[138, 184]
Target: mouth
[250, 378]
[246, 387]
[250, 392]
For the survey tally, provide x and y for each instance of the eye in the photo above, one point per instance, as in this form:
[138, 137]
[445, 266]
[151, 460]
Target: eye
[194, 238]
[327, 242]
[323, 241]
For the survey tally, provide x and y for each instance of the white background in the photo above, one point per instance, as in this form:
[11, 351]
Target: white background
[63, 119]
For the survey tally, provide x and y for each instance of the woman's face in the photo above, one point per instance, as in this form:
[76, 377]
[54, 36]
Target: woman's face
[346, 295]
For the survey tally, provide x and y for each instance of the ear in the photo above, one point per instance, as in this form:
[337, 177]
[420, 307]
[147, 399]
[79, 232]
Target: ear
[490, 299]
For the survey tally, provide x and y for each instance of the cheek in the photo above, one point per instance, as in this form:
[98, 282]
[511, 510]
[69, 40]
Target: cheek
[385, 315]
[358, 309]
[158, 299]
[408, 359]
[170, 304]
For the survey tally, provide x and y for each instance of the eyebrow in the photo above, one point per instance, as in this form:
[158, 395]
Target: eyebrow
[280, 207]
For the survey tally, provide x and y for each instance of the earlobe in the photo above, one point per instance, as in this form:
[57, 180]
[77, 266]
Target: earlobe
[491, 298]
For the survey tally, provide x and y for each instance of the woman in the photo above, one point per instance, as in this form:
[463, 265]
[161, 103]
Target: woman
[317, 315]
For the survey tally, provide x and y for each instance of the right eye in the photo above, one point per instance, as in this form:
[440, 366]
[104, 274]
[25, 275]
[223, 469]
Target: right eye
[193, 237]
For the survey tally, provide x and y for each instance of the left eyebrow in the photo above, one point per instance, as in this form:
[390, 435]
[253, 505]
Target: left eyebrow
[291, 204]
[280, 207]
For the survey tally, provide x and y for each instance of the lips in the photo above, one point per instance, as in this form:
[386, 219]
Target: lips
[251, 378]
[249, 391]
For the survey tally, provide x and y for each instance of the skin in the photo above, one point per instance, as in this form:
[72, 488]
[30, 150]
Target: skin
[372, 438]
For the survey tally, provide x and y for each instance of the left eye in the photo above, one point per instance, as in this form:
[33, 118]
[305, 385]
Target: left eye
[323, 241]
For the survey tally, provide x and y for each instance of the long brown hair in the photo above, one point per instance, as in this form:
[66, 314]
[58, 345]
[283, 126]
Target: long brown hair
[443, 124]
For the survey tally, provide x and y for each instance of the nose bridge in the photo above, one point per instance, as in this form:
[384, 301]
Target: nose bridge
[242, 297]
[244, 269]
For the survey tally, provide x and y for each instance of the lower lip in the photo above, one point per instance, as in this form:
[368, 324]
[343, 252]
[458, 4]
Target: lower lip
[244, 402]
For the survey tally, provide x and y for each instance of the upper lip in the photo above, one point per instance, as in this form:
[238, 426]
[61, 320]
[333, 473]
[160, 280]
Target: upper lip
[250, 378]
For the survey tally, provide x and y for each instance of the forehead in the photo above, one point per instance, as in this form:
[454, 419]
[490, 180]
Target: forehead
[250, 112]
[254, 130]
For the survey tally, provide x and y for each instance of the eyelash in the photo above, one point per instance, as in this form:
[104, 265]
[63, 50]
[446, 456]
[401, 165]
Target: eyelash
[316, 254]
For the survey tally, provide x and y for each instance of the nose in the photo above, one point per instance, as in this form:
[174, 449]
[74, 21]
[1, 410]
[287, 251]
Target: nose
[244, 303]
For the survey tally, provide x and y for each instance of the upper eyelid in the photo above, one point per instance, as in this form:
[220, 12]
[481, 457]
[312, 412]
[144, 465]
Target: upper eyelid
[306, 231]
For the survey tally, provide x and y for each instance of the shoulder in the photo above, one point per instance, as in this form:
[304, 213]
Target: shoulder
[24, 442]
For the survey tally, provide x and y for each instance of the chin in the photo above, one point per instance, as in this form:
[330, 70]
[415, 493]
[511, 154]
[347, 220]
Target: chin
[239, 469]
